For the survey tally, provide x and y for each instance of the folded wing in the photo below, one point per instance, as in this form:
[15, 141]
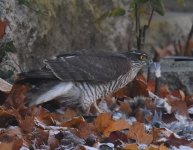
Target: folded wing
[100, 67]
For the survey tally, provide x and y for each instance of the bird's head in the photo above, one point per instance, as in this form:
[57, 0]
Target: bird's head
[138, 58]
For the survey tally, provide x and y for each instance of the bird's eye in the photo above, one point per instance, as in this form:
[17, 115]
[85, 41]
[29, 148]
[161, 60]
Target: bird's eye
[143, 57]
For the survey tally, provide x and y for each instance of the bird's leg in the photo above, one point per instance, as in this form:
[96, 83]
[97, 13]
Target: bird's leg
[97, 108]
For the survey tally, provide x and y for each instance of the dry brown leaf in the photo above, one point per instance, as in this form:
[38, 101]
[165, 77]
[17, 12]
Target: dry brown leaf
[151, 85]
[51, 119]
[7, 117]
[10, 116]
[86, 129]
[116, 126]
[141, 77]
[138, 88]
[164, 91]
[152, 147]
[179, 94]
[122, 92]
[157, 132]
[14, 117]
[177, 105]
[139, 116]
[106, 125]
[74, 122]
[125, 108]
[149, 104]
[115, 136]
[53, 142]
[130, 147]
[103, 121]
[189, 100]
[17, 96]
[46, 118]
[27, 124]
[142, 116]
[173, 140]
[13, 145]
[11, 139]
[163, 147]
[41, 136]
[108, 100]
[137, 132]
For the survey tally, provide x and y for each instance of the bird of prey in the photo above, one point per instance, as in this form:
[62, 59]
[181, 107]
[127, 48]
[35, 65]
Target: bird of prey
[79, 79]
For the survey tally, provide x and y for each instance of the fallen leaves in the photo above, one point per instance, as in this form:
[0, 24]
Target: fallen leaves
[137, 119]
[105, 124]
[11, 139]
[116, 126]
[173, 140]
[17, 96]
[103, 121]
[12, 144]
[138, 133]
[74, 122]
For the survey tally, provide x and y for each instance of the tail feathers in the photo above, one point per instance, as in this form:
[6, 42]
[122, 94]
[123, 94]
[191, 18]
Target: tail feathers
[34, 75]
[65, 92]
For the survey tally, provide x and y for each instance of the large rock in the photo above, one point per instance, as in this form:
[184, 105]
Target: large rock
[177, 73]
[46, 28]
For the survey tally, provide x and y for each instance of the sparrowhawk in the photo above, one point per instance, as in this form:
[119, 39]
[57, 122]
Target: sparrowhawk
[80, 79]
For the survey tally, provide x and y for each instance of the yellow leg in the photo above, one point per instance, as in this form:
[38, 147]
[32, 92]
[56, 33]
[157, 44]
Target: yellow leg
[97, 108]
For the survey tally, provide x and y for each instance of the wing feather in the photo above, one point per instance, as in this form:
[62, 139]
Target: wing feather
[89, 67]
[99, 67]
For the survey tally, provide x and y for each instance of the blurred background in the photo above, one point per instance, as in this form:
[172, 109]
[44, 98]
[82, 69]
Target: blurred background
[33, 30]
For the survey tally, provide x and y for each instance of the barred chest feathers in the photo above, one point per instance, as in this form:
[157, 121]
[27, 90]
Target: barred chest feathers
[92, 92]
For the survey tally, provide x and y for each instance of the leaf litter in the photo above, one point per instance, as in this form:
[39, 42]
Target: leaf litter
[134, 118]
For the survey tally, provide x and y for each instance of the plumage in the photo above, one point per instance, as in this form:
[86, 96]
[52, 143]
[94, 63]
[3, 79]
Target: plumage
[81, 78]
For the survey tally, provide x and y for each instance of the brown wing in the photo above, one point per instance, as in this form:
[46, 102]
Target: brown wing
[99, 67]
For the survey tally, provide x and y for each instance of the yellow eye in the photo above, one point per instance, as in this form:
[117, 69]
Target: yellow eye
[142, 57]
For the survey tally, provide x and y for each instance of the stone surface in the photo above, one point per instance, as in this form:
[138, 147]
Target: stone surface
[46, 28]
[177, 73]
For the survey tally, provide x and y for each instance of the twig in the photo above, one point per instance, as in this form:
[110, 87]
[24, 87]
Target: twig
[139, 40]
[150, 18]
[146, 27]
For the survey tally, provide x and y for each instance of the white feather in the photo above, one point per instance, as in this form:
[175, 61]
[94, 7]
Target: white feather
[57, 91]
